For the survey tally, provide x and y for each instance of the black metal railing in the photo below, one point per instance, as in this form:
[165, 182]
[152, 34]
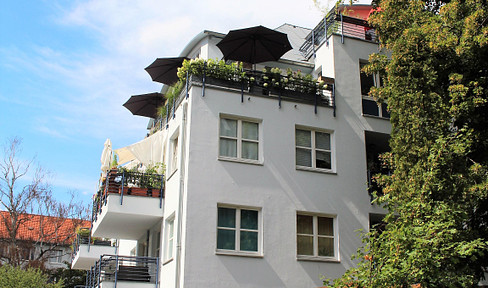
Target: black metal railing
[128, 183]
[84, 237]
[116, 268]
[293, 87]
[373, 184]
[274, 85]
[339, 24]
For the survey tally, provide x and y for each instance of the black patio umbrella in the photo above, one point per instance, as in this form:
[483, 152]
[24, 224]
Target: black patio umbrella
[164, 70]
[254, 45]
[145, 104]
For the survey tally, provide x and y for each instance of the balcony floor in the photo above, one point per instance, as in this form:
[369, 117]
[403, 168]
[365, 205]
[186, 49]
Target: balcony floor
[129, 220]
[85, 259]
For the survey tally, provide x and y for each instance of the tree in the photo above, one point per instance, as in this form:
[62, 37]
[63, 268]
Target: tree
[15, 277]
[26, 200]
[436, 87]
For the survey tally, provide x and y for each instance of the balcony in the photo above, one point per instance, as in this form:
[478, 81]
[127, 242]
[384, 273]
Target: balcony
[376, 145]
[123, 271]
[338, 24]
[271, 83]
[87, 250]
[127, 204]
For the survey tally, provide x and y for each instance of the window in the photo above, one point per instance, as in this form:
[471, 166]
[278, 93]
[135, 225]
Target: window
[55, 256]
[169, 239]
[28, 253]
[238, 230]
[313, 149]
[370, 106]
[316, 236]
[239, 139]
[174, 154]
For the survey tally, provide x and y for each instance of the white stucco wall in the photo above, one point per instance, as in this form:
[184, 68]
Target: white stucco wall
[275, 186]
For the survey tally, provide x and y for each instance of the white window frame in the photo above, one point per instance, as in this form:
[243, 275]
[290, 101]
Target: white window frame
[238, 229]
[55, 256]
[169, 246]
[173, 153]
[239, 140]
[376, 81]
[314, 150]
[315, 256]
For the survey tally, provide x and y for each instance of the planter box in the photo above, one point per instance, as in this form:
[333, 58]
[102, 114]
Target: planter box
[138, 191]
[102, 242]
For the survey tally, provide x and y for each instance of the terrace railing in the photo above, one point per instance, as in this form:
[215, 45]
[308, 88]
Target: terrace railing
[128, 183]
[292, 87]
[339, 24]
[84, 237]
[116, 268]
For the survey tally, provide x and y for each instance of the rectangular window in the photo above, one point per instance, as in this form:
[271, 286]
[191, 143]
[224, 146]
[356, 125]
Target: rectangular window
[238, 230]
[174, 154]
[316, 236]
[370, 106]
[239, 139]
[313, 149]
[55, 256]
[169, 239]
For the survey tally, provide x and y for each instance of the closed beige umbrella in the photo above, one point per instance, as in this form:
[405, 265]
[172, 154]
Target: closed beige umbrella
[106, 156]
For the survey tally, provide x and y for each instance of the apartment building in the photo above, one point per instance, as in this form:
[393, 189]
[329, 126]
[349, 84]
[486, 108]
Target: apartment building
[263, 186]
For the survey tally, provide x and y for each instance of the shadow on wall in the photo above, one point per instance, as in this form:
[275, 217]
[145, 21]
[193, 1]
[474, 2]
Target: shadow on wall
[243, 270]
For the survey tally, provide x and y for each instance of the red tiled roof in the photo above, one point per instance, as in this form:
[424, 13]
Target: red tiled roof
[43, 228]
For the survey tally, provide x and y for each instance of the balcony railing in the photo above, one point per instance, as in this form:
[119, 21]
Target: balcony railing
[116, 268]
[372, 184]
[336, 23]
[275, 85]
[264, 84]
[128, 183]
[84, 237]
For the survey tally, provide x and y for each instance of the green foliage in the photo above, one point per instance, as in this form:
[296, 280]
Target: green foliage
[218, 69]
[16, 277]
[69, 277]
[437, 197]
[213, 68]
[115, 162]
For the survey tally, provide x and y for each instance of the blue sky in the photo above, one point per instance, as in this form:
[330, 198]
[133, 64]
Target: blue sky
[66, 68]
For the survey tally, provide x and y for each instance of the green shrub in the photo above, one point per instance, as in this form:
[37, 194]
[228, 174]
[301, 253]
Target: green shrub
[16, 277]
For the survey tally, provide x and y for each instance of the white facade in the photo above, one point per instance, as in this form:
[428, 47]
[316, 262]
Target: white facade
[280, 211]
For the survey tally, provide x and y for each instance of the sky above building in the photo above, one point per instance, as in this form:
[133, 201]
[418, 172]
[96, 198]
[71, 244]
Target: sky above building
[66, 68]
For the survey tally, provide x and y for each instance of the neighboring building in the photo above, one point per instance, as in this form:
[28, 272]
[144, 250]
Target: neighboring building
[263, 188]
[44, 239]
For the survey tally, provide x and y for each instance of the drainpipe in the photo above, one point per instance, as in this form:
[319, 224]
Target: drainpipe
[180, 198]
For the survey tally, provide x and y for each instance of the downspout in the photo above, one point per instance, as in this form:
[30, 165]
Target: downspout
[180, 198]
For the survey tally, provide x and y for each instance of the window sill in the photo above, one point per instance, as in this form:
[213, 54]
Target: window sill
[325, 171]
[239, 253]
[376, 117]
[239, 160]
[168, 261]
[317, 259]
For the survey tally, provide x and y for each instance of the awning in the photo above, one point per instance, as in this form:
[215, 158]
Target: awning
[148, 151]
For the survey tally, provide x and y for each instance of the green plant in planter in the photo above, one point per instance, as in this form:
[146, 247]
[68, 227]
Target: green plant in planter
[83, 233]
[213, 68]
[115, 162]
